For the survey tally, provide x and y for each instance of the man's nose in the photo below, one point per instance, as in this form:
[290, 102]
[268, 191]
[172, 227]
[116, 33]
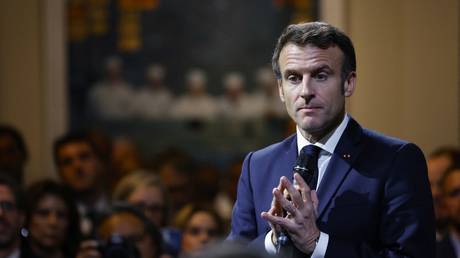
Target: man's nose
[52, 218]
[306, 88]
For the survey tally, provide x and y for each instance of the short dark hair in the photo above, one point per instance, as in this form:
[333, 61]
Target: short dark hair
[186, 214]
[442, 182]
[73, 137]
[15, 189]
[17, 137]
[319, 34]
[453, 153]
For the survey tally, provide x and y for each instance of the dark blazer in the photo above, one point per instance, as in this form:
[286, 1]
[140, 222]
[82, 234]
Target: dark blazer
[445, 249]
[374, 198]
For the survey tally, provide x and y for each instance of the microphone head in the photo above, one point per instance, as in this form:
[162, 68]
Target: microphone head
[301, 168]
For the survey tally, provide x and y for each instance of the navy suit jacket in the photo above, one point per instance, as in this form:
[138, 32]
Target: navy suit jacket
[374, 198]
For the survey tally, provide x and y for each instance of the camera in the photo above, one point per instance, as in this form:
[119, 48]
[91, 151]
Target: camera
[118, 247]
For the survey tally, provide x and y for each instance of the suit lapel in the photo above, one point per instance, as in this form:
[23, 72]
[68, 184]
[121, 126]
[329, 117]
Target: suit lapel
[345, 153]
[289, 159]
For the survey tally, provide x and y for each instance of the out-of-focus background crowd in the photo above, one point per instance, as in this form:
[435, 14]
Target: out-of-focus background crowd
[172, 207]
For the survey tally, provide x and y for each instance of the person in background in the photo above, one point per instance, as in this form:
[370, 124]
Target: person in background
[235, 104]
[112, 98]
[196, 104]
[144, 190]
[201, 226]
[153, 100]
[126, 224]
[265, 99]
[52, 222]
[448, 245]
[13, 153]
[12, 216]
[126, 158]
[177, 171]
[439, 161]
[81, 168]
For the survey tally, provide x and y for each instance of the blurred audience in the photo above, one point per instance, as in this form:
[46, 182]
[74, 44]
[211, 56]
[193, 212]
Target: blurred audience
[201, 226]
[177, 171]
[447, 247]
[144, 190]
[13, 153]
[124, 232]
[196, 104]
[227, 194]
[81, 168]
[229, 249]
[52, 222]
[439, 161]
[154, 99]
[11, 217]
[125, 159]
[111, 98]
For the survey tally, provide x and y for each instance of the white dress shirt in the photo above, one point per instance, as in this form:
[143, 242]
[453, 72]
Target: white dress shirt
[327, 145]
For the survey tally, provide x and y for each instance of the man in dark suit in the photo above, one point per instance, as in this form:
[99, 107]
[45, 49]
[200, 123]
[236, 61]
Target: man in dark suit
[372, 195]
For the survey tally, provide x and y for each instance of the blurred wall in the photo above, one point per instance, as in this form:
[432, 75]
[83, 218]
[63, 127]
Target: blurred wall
[408, 66]
[32, 77]
[408, 70]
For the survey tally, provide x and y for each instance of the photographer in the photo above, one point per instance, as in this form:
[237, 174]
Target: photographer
[126, 233]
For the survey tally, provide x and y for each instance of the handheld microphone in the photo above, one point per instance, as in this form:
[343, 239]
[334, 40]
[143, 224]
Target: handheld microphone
[301, 168]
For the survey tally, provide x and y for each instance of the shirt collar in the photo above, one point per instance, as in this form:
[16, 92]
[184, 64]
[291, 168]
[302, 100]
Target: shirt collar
[328, 142]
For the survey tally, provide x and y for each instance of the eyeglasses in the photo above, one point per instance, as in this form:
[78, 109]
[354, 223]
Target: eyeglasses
[195, 231]
[7, 206]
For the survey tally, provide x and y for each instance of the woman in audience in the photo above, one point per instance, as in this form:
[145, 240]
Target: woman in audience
[144, 190]
[123, 232]
[200, 227]
[52, 222]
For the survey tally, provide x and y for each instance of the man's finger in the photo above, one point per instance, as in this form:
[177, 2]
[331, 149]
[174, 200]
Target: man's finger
[276, 221]
[315, 201]
[304, 189]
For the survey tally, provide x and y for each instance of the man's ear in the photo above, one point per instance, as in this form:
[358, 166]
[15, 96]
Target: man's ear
[280, 89]
[349, 84]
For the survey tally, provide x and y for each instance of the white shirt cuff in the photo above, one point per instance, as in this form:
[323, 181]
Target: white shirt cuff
[269, 246]
[321, 246]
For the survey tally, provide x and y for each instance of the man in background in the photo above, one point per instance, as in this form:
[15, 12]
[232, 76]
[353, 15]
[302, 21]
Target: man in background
[11, 217]
[13, 153]
[81, 168]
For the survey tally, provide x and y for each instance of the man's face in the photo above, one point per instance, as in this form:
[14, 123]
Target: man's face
[79, 167]
[11, 219]
[436, 167]
[451, 198]
[312, 87]
[11, 158]
[49, 222]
